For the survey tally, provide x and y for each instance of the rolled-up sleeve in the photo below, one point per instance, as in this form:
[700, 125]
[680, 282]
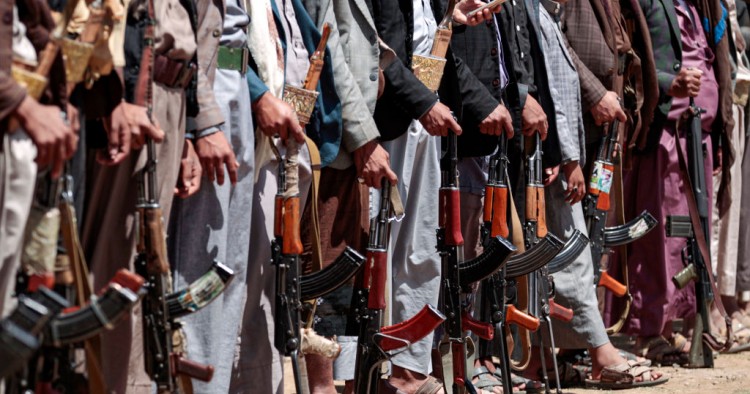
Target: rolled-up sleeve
[11, 95]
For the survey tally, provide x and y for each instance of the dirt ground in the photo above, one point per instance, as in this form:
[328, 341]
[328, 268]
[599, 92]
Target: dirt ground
[731, 375]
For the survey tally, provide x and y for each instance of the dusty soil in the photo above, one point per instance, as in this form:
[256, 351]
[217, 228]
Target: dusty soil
[731, 375]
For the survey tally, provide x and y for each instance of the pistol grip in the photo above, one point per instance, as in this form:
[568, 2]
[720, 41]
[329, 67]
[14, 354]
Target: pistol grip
[36, 281]
[411, 330]
[559, 312]
[377, 275]
[481, 329]
[499, 213]
[611, 284]
[488, 201]
[292, 242]
[183, 366]
[541, 229]
[128, 280]
[515, 316]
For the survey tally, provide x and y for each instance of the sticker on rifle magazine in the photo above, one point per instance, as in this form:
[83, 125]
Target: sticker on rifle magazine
[601, 178]
[203, 291]
[638, 229]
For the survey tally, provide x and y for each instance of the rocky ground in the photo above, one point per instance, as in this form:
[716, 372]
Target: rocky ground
[731, 375]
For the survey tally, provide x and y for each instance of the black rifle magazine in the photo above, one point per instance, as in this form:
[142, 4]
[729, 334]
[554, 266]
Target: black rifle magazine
[575, 245]
[16, 347]
[320, 283]
[630, 231]
[495, 255]
[534, 258]
[102, 313]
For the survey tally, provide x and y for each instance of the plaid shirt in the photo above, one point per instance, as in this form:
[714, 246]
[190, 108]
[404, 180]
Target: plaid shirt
[564, 84]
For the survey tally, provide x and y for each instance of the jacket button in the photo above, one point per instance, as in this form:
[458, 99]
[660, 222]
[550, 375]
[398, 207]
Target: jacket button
[216, 33]
[373, 77]
[676, 66]
[493, 51]
[496, 82]
[8, 18]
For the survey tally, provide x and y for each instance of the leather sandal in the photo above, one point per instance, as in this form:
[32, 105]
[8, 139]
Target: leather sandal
[623, 376]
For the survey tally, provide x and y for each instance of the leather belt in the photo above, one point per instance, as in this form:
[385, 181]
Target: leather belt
[232, 59]
[172, 73]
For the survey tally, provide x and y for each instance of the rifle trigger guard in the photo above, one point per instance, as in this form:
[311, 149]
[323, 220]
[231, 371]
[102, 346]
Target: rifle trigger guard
[406, 343]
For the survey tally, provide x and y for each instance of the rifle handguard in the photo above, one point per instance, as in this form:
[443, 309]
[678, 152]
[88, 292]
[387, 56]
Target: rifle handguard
[292, 242]
[452, 216]
[411, 330]
[495, 255]
[375, 279]
[559, 312]
[519, 318]
[535, 209]
[201, 292]
[156, 246]
[630, 231]
[332, 277]
[489, 199]
[534, 258]
[573, 248]
[611, 284]
[481, 329]
[192, 369]
[499, 212]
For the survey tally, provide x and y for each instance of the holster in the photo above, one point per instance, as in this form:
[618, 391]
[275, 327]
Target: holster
[302, 100]
[429, 70]
[172, 73]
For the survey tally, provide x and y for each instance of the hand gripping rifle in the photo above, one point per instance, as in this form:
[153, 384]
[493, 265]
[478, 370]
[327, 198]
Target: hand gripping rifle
[595, 208]
[368, 304]
[163, 362]
[696, 255]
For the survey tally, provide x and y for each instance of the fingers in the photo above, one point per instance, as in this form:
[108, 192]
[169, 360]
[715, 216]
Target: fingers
[58, 160]
[232, 167]
[391, 176]
[620, 115]
[208, 167]
[454, 126]
[218, 166]
[508, 127]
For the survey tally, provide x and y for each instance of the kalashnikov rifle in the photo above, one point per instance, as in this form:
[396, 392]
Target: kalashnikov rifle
[164, 363]
[696, 254]
[287, 245]
[595, 208]
[535, 227]
[375, 342]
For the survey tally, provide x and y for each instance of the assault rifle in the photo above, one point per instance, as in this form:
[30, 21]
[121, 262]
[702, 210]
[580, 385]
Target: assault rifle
[535, 227]
[449, 242]
[696, 254]
[368, 305]
[595, 208]
[164, 362]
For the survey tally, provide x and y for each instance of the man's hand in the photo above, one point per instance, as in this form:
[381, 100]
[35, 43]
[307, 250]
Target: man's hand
[464, 7]
[189, 180]
[214, 152]
[439, 120]
[550, 175]
[276, 117]
[608, 109]
[497, 122]
[127, 128]
[686, 83]
[533, 119]
[74, 118]
[55, 140]
[373, 164]
[576, 183]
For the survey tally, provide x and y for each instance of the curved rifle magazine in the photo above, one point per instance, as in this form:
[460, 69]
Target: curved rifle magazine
[495, 255]
[630, 231]
[330, 278]
[575, 245]
[201, 292]
[534, 258]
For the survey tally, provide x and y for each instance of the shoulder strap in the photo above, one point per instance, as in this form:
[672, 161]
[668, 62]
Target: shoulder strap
[700, 238]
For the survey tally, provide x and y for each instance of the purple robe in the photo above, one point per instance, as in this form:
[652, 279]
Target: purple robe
[655, 183]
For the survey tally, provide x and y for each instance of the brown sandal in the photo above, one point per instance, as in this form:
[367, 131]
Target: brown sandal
[431, 385]
[623, 376]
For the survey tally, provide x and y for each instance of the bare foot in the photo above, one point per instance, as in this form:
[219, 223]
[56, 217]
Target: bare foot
[608, 356]
[408, 381]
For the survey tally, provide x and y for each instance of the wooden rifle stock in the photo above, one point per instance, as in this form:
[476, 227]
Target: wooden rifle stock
[155, 245]
[375, 278]
[409, 331]
[292, 242]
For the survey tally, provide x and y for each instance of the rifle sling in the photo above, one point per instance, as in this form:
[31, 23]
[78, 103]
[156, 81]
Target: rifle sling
[701, 241]
[521, 284]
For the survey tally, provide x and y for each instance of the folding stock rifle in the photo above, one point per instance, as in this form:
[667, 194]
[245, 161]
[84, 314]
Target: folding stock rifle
[696, 254]
[376, 343]
[595, 208]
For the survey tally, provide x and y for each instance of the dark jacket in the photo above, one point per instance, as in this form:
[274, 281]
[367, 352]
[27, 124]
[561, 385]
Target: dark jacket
[405, 98]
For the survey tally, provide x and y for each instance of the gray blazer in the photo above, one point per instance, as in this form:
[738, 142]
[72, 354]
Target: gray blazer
[354, 48]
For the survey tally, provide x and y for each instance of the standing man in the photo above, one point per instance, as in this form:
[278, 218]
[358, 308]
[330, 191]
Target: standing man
[215, 223]
[690, 62]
